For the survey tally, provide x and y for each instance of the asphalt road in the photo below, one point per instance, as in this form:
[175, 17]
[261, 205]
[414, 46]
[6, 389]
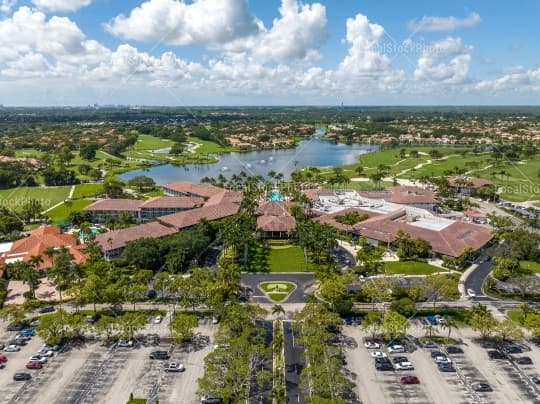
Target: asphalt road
[293, 365]
[303, 281]
[476, 280]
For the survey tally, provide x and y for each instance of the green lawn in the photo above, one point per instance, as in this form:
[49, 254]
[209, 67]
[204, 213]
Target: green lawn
[531, 265]
[87, 190]
[149, 142]
[15, 198]
[277, 291]
[410, 268]
[514, 315]
[289, 259]
[209, 147]
[61, 213]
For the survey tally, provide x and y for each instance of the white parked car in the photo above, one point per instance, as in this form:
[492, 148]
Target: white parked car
[378, 354]
[471, 293]
[442, 359]
[372, 345]
[12, 348]
[396, 349]
[404, 366]
[158, 319]
[45, 352]
[38, 358]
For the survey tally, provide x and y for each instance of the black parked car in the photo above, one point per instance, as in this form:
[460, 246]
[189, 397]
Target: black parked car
[47, 309]
[15, 327]
[159, 355]
[496, 355]
[454, 349]
[434, 354]
[481, 387]
[446, 367]
[93, 318]
[524, 360]
[382, 360]
[21, 376]
[513, 349]
[383, 366]
[399, 359]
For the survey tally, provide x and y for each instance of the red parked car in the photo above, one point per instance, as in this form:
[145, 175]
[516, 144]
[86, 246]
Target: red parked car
[409, 380]
[34, 365]
[3, 359]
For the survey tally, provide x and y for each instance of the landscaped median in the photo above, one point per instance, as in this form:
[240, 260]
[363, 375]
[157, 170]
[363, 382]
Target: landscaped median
[277, 291]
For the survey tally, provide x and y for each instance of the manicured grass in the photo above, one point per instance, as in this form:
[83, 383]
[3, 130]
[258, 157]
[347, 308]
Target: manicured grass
[277, 291]
[410, 268]
[149, 142]
[15, 198]
[61, 213]
[514, 315]
[87, 190]
[28, 153]
[531, 266]
[277, 287]
[209, 147]
[287, 259]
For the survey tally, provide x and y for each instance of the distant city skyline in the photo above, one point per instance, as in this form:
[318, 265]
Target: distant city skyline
[268, 52]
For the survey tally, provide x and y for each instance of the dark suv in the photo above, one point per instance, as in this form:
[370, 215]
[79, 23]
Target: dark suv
[21, 376]
[159, 355]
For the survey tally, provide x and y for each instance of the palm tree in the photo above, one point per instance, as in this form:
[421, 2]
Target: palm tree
[449, 324]
[35, 261]
[50, 252]
[60, 273]
[30, 277]
[428, 328]
[278, 310]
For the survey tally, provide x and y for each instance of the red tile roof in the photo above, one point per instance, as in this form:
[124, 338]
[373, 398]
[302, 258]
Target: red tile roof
[113, 240]
[41, 239]
[194, 189]
[405, 195]
[474, 182]
[190, 218]
[272, 208]
[225, 197]
[315, 193]
[126, 205]
[179, 202]
[276, 223]
[452, 240]
[474, 213]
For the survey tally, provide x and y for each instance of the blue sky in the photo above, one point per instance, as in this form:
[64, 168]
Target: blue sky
[240, 52]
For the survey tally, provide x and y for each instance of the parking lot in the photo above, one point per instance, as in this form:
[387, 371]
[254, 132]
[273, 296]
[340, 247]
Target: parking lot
[92, 373]
[510, 382]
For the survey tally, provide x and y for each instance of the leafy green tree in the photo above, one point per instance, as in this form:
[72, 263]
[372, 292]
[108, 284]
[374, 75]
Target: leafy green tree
[54, 327]
[508, 330]
[532, 323]
[60, 273]
[130, 323]
[505, 268]
[395, 325]
[14, 313]
[482, 321]
[439, 286]
[107, 326]
[182, 326]
[142, 182]
[278, 310]
[372, 323]
[31, 210]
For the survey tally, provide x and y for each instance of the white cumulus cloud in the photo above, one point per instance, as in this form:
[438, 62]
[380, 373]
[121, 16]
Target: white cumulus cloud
[204, 22]
[29, 31]
[434, 23]
[61, 5]
[444, 61]
[297, 34]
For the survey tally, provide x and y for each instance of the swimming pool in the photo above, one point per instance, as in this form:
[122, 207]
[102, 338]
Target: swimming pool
[275, 196]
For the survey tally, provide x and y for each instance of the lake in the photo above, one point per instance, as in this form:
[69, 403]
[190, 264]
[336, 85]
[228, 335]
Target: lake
[310, 152]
